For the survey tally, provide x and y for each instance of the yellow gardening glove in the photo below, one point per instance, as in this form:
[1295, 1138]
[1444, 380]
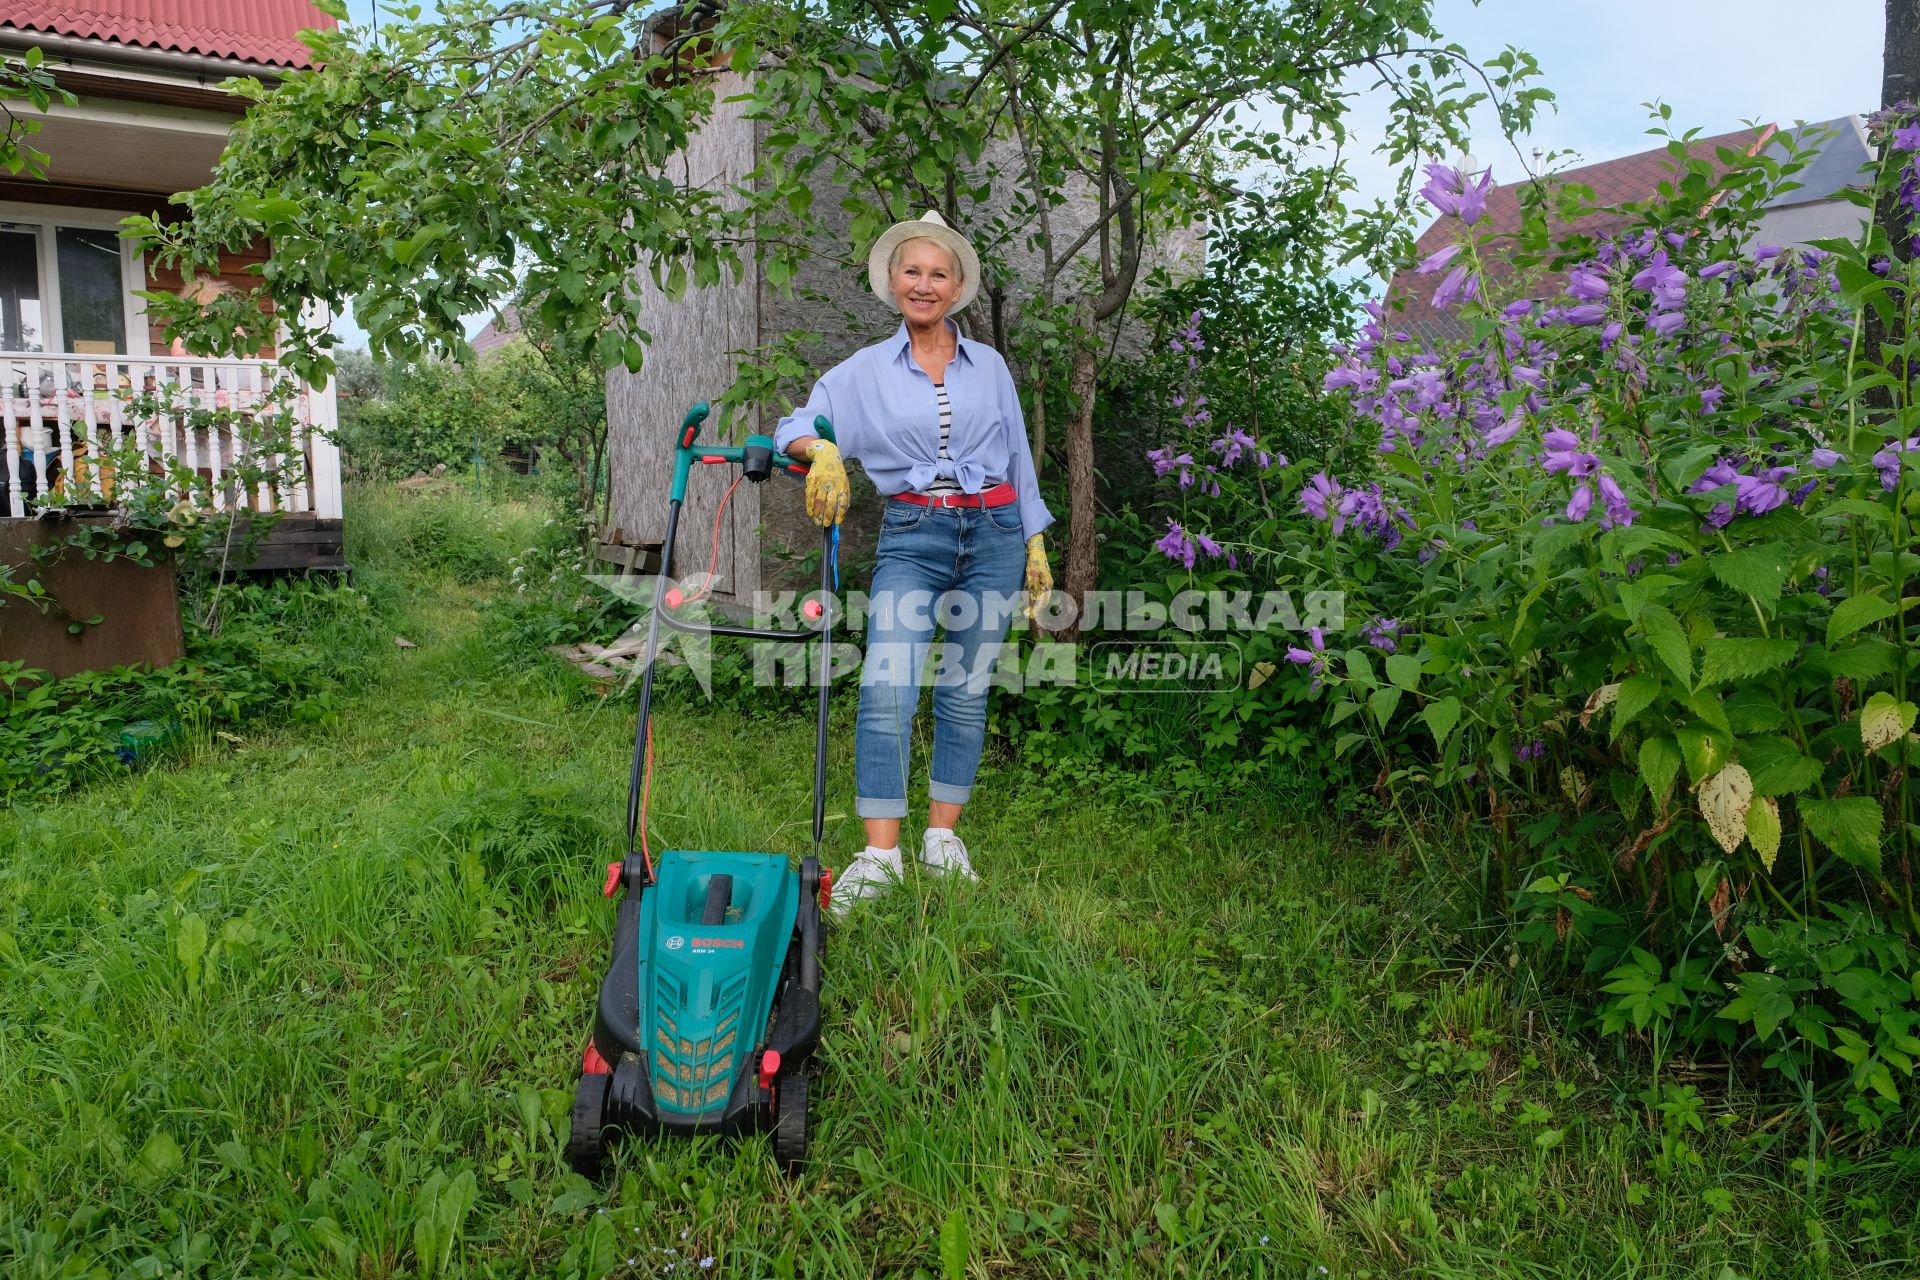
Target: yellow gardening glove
[827, 493]
[1039, 577]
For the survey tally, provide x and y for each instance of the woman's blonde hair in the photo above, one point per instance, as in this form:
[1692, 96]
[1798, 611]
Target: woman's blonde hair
[893, 259]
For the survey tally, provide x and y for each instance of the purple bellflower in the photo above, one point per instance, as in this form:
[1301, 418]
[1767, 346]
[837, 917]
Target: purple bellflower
[1320, 499]
[1380, 634]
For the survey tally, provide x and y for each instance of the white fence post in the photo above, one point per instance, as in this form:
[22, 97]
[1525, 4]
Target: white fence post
[323, 452]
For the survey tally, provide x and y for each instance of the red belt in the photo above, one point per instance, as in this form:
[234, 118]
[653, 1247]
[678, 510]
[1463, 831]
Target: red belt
[1000, 495]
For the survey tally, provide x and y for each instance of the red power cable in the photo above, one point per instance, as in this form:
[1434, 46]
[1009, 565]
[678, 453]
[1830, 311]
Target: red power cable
[646, 777]
[646, 785]
[713, 558]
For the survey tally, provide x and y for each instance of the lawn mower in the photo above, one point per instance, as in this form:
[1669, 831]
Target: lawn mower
[710, 1010]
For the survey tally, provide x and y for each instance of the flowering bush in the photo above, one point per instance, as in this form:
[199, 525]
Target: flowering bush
[1630, 583]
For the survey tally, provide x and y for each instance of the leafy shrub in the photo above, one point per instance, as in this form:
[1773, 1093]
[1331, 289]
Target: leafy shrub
[533, 397]
[283, 651]
[1626, 584]
[406, 418]
[1260, 368]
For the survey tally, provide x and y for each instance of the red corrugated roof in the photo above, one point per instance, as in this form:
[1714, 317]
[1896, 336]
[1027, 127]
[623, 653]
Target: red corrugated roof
[1628, 179]
[263, 31]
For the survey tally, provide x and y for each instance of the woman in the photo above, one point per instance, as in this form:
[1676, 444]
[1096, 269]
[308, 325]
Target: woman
[935, 420]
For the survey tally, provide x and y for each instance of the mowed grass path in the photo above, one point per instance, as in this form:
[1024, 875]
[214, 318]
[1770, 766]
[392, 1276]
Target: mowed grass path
[310, 1004]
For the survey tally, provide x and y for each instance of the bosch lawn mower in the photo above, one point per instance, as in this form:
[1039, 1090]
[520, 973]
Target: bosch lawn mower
[710, 1011]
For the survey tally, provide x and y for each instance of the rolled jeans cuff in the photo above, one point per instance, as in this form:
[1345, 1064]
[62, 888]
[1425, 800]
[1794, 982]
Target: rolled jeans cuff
[947, 792]
[867, 807]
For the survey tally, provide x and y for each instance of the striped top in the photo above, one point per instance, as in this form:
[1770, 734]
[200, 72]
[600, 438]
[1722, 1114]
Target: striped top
[942, 484]
[878, 403]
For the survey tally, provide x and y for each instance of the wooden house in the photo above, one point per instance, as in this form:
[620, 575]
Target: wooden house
[77, 351]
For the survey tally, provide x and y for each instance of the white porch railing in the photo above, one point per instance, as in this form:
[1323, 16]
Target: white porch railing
[59, 410]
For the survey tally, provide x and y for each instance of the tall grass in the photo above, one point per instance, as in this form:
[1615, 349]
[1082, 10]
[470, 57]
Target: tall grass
[273, 1012]
[445, 530]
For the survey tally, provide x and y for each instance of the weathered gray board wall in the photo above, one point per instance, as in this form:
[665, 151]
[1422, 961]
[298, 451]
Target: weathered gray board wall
[687, 362]
[693, 357]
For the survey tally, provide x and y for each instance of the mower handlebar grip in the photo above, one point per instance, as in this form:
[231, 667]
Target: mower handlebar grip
[690, 425]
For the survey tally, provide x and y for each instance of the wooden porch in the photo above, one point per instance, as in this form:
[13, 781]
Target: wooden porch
[64, 415]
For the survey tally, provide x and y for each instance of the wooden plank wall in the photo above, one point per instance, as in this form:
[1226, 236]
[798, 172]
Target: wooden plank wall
[139, 608]
[689, 361]
[234, 274]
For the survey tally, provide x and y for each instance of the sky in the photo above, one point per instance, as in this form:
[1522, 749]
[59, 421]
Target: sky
[1717, 63]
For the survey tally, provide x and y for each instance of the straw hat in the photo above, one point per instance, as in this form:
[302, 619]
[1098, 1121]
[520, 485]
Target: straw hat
[929, 226]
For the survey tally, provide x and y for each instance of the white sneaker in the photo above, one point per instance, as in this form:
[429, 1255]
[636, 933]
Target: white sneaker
[868, 876]
[943, 853]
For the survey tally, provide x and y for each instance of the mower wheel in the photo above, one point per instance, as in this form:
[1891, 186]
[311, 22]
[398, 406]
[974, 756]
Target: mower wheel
[586, 1147]
[790, 1122]
[719, 898]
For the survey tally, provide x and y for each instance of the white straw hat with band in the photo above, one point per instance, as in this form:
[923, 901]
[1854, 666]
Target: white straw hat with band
[929, 226]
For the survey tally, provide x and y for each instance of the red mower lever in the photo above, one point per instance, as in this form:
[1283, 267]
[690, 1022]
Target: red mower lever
[826, 887]
[613, 880]
[769, 1067]
[812, 610]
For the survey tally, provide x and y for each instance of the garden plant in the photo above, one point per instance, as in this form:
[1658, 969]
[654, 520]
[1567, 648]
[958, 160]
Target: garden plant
[1631, 586]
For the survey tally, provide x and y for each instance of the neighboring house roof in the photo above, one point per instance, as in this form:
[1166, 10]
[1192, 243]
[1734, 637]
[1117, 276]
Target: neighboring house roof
[260, 31]
[1628, 179]
[1836, 166]
[497, 332]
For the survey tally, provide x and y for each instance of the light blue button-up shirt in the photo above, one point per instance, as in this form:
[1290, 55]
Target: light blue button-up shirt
[885, 415]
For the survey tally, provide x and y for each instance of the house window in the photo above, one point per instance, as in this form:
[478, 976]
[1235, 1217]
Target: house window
[62, 288]
[22, 325]
[93, 312]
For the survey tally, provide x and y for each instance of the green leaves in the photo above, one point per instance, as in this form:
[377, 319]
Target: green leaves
[1762, 1000]
[1665, 636]
[160, 1158]
[1741, 658]
[440, 1211]
[955, 1247]
[1637, 693]
[1777, 766]
[405, 251]
[1854, 613]
[1850, 827]
[1440, 718]
[1659, 766]
[1704, 748]
[1758, 572]
[189, 946]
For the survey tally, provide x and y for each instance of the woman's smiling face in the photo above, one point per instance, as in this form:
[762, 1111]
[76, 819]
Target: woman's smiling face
[925, 281]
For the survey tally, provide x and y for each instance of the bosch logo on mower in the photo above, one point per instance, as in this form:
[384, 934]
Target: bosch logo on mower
[733, 943]
[675, 942]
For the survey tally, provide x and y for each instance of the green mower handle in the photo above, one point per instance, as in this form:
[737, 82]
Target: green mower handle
[757, 455]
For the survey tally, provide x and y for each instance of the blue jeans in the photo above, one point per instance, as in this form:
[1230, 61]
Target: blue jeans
[961, 568]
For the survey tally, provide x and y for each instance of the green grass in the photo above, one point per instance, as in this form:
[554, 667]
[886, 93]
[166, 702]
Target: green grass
[266, 1011]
